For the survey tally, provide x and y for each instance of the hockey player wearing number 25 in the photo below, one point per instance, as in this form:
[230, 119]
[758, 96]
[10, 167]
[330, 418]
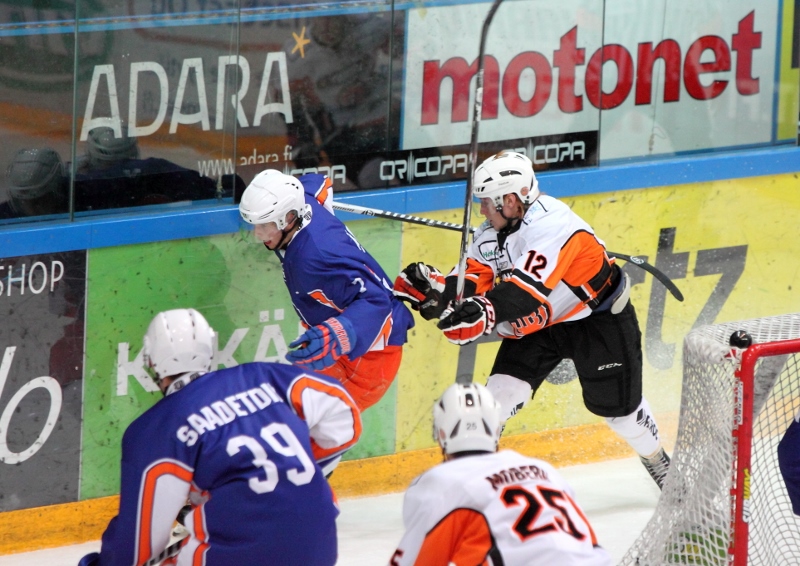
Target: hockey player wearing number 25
[482, 506]
[559, 296]
[355, 327]
[247, 446]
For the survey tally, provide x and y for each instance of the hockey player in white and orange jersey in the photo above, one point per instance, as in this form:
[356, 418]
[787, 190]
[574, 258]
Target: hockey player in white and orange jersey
[483, 507]
[538, 275]
[247, 446]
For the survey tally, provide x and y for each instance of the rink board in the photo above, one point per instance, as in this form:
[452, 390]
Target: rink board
[729, 245]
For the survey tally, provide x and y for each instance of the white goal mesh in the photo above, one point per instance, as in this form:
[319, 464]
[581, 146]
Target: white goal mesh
[695, 518]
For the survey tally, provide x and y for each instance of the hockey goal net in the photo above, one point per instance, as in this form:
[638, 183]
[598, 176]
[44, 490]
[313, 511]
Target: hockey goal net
[724, 501]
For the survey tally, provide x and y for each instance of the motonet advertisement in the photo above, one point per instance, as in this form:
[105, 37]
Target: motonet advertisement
[674, 77]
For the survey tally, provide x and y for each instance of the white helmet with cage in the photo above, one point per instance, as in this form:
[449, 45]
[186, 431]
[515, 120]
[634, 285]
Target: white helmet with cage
[178, 341]
[467, 418]
[505, 173]
[270, 197]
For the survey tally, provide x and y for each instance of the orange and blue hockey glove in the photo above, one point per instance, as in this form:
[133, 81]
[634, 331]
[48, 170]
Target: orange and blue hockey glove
[320, 346]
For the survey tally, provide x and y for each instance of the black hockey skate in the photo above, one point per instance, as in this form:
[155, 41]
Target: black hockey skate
[657, 467]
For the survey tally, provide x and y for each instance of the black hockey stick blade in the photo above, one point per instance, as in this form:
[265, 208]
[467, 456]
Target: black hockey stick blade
[168, 552]
[640, 262]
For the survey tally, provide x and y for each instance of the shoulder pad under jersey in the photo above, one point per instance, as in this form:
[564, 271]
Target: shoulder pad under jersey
[485, 225]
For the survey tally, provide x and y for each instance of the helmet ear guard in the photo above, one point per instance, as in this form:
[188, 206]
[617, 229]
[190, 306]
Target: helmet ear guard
[467, 418]
[270, 197]
[177, 341]
[507, 172]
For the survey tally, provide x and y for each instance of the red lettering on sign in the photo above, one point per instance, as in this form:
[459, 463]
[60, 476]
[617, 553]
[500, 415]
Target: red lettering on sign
[594, 73]
[707, 54]
[693, 68]
[670, 52]
[544, 83]
[566, 58]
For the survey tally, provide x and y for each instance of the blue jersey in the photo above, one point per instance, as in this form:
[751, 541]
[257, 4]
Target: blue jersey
[329, 274]
[236, 443]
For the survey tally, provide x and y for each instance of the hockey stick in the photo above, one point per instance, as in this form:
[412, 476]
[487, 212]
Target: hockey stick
[352, 208]
[473, 154]
[636, 260]
[640, 262]
[170, 551]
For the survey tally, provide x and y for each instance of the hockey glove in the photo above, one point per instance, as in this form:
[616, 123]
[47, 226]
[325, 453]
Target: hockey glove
[468, 320]
[320, 346]
[421, 286]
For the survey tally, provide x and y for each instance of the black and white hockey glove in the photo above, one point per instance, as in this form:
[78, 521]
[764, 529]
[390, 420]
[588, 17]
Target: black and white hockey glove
[421, 286]
[468, 320]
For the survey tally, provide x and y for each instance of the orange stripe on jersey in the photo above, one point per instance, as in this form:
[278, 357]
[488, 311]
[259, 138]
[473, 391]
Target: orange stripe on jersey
[382, 339]
[322, 192]
[580, 259]
[198, 558]
[147, 502]
[320, 297]
[482, 275]
[462, 538]
[296, 397]
[585, 520]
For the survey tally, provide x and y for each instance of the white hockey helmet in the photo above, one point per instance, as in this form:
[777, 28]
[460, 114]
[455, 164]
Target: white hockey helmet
[505, 173]
[466, 417]
[270, 197]
[177, 341]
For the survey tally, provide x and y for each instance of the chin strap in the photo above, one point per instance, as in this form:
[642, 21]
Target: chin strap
[298, 221]
[182, 381]
[508, 220]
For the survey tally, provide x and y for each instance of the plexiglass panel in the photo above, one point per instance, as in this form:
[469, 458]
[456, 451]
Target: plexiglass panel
[181, 103]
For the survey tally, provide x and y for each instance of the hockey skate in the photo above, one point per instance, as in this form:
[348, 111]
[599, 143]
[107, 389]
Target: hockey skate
[657, 466]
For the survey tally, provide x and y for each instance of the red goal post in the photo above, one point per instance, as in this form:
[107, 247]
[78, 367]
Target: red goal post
[724, 502]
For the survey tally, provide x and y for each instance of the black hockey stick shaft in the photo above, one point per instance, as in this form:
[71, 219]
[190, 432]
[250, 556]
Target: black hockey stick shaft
[473, 153]
[640, 262]
[354, 209]
[168, 552]
[636, 260]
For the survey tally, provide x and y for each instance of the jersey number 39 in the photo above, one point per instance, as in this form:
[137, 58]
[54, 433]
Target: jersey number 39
[287, 445]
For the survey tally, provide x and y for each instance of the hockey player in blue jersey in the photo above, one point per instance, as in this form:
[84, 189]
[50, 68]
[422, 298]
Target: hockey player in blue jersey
[356, 327]
[247, 446]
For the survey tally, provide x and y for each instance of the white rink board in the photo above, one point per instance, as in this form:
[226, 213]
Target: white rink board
[371, 527]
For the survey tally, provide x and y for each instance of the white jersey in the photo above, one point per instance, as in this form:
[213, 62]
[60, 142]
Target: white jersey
[554, 257]
[495, 509]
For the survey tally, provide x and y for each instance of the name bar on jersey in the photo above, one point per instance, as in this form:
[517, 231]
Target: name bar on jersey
[220, 413]
[516, 474]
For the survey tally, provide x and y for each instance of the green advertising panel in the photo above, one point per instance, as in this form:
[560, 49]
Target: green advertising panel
[238, 285]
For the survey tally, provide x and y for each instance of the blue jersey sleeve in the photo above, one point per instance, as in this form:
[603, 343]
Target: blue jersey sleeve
[155, 485]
